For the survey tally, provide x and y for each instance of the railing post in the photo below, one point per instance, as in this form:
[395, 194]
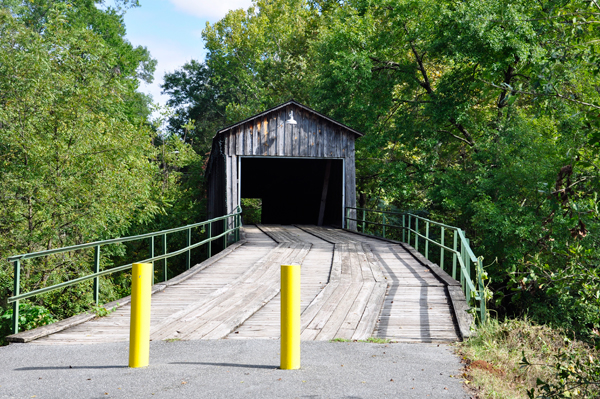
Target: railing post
[427, 240]
[462, 255]
[225, 235]
[165, 271]
[383, 219]
[347, 217]
[363, 219]
[482, 304]
[152, 256]
[97, 270]
[237, 228]
[442, 249]
[468, 268]
[16, 291]
[403, 228]
[417, 234]
[209, 234]
[408, 238]
[188, 258]
[454, 254]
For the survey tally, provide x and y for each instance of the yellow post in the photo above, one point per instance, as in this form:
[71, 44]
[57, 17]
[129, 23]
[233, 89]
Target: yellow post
[139, 329]
[290, 317]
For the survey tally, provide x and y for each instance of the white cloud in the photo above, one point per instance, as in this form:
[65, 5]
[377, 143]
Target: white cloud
[210, 9]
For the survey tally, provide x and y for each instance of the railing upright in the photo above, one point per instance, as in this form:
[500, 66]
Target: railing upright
[348, 218]
[417, 234]
[188, 258]
[442, 248]
[363, 220]
[16, 291]
[209, 233]
[454, 256]
[225, 235]
[97, 270]
[383, 219]
[165, 270]
[152, 256]
[427, 240]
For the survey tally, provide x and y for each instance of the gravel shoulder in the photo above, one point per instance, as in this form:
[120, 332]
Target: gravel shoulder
[231, 369]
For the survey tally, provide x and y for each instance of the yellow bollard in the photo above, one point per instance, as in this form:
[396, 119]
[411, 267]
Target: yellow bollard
[290, 317]
[139, 328]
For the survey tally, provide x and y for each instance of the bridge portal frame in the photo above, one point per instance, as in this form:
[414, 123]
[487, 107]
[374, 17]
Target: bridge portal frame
[267, 135]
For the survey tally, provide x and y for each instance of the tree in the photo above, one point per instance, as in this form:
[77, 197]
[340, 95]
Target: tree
[74, 166]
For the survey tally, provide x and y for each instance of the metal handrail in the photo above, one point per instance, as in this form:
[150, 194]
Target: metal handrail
[464, 257]
[16, 259]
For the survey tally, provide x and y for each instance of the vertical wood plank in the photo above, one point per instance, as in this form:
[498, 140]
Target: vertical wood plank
[280, 133]
[248, 139]
[344, 147]
[338, 142]
[312, 137]
[324, 138]
[319, 137]
[289, 135]
[265, 135]
[239, 139]
[273, 126]
[256, 138]
[302, 123]
[295, 136]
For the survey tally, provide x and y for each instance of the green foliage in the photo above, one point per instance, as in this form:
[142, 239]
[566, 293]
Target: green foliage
[251, 210]
[484, 114]
[74, 146]
[101, 311]
[30, 316]
[574, 376]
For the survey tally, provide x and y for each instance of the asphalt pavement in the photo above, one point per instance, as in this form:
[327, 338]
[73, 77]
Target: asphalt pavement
[231, 369]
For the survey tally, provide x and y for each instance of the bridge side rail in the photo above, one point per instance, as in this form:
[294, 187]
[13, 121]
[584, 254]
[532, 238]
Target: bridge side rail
[462, 255]
[232, 219]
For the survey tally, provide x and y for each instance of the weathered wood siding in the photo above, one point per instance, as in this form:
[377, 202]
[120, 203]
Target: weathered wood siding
[269, 135]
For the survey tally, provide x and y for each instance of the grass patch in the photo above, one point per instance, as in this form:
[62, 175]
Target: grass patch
[172, 339]
[493, 357]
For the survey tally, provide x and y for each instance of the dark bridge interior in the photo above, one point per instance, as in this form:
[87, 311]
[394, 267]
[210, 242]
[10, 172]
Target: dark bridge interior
[291, 189]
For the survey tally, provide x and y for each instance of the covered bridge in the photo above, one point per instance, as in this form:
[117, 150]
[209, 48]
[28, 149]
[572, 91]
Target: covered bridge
[298, 161]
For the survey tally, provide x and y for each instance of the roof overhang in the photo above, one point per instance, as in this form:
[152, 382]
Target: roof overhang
[291, 102]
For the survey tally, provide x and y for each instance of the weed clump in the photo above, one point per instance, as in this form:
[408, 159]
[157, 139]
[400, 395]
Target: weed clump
[509, 359]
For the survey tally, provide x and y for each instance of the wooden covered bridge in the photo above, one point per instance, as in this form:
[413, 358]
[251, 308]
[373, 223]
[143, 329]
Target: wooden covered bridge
[354, 286]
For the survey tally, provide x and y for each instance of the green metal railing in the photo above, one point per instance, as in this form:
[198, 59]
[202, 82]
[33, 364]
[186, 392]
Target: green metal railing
[231, 223]
[462, 255]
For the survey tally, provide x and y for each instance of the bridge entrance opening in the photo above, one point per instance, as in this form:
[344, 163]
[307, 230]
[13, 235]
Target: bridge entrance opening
[295, 191]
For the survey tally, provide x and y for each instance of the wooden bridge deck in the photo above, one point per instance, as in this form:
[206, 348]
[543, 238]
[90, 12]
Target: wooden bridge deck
[353, 287]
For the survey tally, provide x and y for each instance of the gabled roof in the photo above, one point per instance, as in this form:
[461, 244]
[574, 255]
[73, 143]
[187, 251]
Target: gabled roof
[291, 102]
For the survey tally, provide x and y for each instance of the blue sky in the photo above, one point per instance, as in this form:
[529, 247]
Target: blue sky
[171, 29]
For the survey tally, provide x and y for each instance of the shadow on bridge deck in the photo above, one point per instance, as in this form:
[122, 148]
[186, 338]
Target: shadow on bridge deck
[353, 287]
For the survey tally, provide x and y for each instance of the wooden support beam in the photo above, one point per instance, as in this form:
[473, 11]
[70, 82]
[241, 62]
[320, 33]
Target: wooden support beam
[324, 193]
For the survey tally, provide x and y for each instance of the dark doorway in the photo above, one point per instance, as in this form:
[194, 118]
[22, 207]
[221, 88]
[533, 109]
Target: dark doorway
[291, 189]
